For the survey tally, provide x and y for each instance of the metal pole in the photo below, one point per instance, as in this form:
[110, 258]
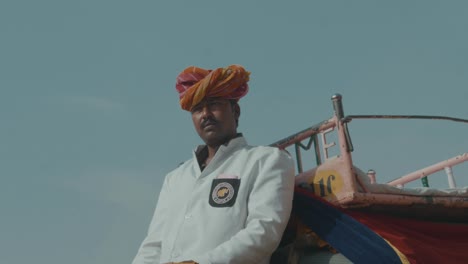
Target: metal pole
[419, 174]
[338, 107]
[371, 175]
[451, 179]
[425, 181]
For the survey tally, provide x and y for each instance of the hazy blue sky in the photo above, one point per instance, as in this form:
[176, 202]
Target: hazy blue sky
[91, 121]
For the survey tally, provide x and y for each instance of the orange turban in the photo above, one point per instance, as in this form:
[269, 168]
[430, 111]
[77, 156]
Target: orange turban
[195, 84]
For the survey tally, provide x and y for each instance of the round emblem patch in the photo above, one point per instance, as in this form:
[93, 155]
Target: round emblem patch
[222, 193]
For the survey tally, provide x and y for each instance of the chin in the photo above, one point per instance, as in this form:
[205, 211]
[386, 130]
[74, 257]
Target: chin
[214, 140]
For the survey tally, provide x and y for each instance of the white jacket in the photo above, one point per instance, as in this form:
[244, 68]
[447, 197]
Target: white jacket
[235, 211]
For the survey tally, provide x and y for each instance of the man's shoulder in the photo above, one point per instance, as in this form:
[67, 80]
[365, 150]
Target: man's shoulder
[268, 157]
[267, 151]
[181, 166]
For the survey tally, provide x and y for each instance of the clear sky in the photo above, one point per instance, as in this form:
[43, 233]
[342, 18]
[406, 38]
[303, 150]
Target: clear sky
[90, 121]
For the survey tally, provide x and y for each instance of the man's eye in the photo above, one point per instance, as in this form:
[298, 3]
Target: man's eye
[215, 103]
[195, 109]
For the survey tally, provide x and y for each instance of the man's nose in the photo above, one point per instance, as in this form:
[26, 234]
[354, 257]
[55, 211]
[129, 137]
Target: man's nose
[206, 111]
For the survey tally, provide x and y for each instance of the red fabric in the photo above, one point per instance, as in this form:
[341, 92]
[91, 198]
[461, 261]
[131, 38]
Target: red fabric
[194, 84]
[420, 241]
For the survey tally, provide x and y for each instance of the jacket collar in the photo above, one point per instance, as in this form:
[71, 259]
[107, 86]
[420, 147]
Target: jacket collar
[223, 152]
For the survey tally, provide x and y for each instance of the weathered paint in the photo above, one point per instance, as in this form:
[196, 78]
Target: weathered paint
[430, 170]
[337, 181]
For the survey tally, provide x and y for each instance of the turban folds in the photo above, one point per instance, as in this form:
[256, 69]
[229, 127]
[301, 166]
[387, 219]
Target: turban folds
[195, 84]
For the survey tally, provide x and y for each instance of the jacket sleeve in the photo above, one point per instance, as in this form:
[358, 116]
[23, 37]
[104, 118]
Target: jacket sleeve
[150, 249]
[269, 207]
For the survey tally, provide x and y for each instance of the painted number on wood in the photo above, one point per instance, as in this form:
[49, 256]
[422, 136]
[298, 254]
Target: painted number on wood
[326, 183]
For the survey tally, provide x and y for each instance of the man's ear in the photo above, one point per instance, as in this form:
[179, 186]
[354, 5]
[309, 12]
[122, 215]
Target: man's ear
[237, 110]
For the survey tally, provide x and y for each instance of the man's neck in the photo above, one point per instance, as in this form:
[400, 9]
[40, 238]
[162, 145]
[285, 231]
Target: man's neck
[210, 151]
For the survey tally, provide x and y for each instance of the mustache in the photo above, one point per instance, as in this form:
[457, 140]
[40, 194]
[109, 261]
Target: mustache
[208, 121]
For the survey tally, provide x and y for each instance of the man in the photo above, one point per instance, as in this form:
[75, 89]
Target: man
[231, 202]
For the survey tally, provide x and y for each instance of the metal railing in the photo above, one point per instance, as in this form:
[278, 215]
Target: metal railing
[316, 136]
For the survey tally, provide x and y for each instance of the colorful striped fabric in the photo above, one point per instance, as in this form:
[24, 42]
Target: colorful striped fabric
[366, 237]
[354, 240]
[194, 84]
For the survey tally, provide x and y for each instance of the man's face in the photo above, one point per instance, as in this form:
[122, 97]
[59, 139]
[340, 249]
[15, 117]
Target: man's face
[215, 120]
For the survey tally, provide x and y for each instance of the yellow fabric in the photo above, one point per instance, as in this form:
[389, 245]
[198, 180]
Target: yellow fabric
[402, 256]
[195, 84]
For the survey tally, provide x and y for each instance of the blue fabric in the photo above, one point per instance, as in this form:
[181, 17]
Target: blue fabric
[351, 238]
